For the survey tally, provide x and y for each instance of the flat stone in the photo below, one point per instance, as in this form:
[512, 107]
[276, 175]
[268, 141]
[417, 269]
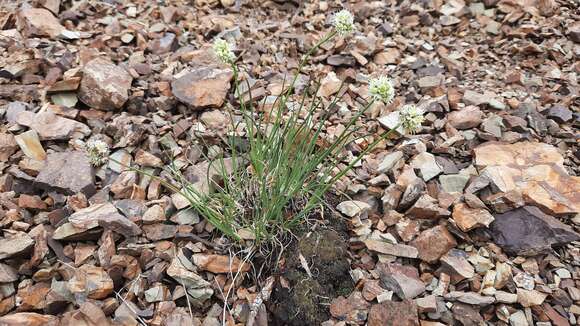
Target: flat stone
[426, 163]
[30, 145]
[527, 231]
[394, 314]
[50, 126]
[434, 243]
[506, 297]
[402, 279]
[455, 261]
[468, 218]
[471, 298]
[351, 310]
[186, 217]
[329, 85]
[467, 314]
[392, 120]
[91, 282]
[219, 263]
[105, 86]
[426, 207]
[104, 215]
[399, 250]
[451, 183]
[559, 113]
[203, 87]
[473, 98]
[15, 245]
[390, 161]
[165, 44]
[154, 214]
[352, 208]
[156, 232]
[67, 172]
[529, 298]
[39, 22]
[182, 270]
[466, 118]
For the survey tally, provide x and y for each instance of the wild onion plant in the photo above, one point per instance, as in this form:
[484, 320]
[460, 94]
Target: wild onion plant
[281, 178]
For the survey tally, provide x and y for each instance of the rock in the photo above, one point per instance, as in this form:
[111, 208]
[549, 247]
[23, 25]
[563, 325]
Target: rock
[493, 125]
[387, 57]
[431, 81]
[8, 146]
[426, 163]
[467, 315]
[68, 172]
[394, 314]
[352, 208]
[529, 298]
[427, 304]
[392, 120]
[15, 245]
[468, 218]
[559, 113]
[7, 273]
[434, 243]
[104, 85]
[518, 318]
[402, 279]
[157, 293]
[528, 231]
[203, 87]
[351, 310]
[390, 161]
[30, 145]
[449, 20]
[90, 282]
[518, 154]
[466, 118]
[186, 217]
[426, 207]
[473, 98]
[181, 269]
[451, 183]
[28, 319]
[146, 159]
[471, 298]
[50, 126]
[341, 60]
[156, 232]
[215, 120]
[39, 22]
[506, 297]
[399, 250]
[154, 214]
[219, 263]
[329, 85]
[31, 202]
[106, 216]
[165, 44]
[455, 261]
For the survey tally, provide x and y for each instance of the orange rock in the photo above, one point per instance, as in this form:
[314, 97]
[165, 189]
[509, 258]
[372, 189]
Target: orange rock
[219, 263]
[28, 319]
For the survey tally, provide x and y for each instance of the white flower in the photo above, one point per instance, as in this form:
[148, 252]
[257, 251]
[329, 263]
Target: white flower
[224, 51]
[382, 89]
[98, 152]
[343, 22]
[411, 118]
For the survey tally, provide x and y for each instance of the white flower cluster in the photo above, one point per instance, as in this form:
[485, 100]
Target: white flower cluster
[411, 118]
[343, 22]
[382, 89]
[98, 152]
[224, 51]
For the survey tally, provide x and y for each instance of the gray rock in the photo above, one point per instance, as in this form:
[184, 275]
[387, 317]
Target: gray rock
[527, 231]
[15, 245]
[471, 298]
[426, 163]
[453, 182]
[390, 161]
[559, 113]
[50, 126]
[106, 216]
[203, 87]
[67, 172]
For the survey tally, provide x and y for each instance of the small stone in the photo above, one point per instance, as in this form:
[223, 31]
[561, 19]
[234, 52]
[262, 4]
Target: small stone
[455, 261]
[451, 183]
[154, 214]
[493, 27]
[493, 125]
[559, 113]
[30, 145]
[329, 85]
[50, 126]
[144, 158]
[470, 218]
[181, 269]
[104, 86]
[68, 172]
[402, 279]
[471, 298]
[466, 118]
[163, 45]
[157, 232]
[518, 318]
[352, 309]
[219, 263]
[394, 314]
[426, 163]
[352, 208]
[529, 298]
[390, 161]
[31, 202]
[203, 87]
[186, 217]
[91, 282]
[39, 22]
[434, 243]
[430, 81]
[449, 20]
[15, 245]
[104, 215]
[157, 293]
[399, 250]
[505, 297]
[426, 207]
[427, 304]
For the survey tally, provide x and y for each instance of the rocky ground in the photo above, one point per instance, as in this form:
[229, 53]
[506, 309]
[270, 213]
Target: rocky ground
[471, 221]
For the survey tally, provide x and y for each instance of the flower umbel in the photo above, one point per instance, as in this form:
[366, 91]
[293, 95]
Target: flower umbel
[411, 118]
[224, 51]
[382, 89]
[98, 152]
[343, 22]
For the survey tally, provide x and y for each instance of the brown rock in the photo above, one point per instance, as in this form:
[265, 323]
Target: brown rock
[399, 250]
[15, 245]
[352, 309]
[30, 145]
[219, 263]
[32, 202]
[28, 319]
[434, 243]
[203, 87]
[426, 207]
[106, 216]
[470, 218]
[50, 126]
[91, 282]
[402, 279]
[8, 146]
[144, 158]
[39, 22]
[68, 172]
[394, 314]
[104, 86]
[466, 118]
[33, 297]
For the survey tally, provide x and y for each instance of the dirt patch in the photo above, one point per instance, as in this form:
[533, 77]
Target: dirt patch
[307, 299]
